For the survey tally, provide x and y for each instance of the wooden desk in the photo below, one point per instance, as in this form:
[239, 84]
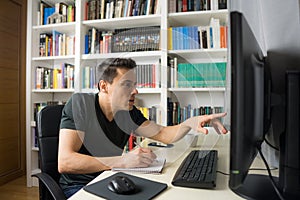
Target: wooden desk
[174, 156]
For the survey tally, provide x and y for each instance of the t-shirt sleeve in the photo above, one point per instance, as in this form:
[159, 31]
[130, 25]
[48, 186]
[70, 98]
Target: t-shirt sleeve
[67, 120]
[137, 116]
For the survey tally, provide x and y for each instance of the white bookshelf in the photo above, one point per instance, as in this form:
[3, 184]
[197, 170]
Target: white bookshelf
[147, 96]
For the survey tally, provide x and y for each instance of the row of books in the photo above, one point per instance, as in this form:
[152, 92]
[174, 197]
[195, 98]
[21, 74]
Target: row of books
[177, 114]
[36, 108]
[147, 76]
[89, 77]
[98, 42]
[195, 5]
[56, 13]
[198, 37]
[182, 75]
[195, 75]
[153, 114]
[59, 77]
[56, 44]
[122, 40]
[108, 9]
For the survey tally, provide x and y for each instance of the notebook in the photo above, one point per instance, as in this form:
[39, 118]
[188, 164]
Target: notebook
[146, 189]
[155, 168]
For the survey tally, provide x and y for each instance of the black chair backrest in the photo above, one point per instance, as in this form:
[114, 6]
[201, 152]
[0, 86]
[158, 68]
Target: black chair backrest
[48, 124]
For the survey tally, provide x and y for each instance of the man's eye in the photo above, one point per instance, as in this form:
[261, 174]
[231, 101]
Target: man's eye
[128, 85]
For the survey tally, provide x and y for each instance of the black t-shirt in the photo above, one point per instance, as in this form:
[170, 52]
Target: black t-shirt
[117, 131]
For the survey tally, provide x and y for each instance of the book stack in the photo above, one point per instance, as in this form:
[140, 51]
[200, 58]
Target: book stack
[178, 114]
[196, 5]
[196, 75]
[89, 77]
[57, 13]
[201, 75]
[56, 44]
[122, 40]
[108, 9]
[148, 75]
[136, 39]
[153, 113]
[198, 37]
[59, 77]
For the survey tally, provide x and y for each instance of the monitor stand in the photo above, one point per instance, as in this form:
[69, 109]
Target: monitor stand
[258, 187]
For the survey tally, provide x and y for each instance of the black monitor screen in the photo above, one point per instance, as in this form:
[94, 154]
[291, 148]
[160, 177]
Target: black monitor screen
[264, 91]
[247, 98]
[249, 105]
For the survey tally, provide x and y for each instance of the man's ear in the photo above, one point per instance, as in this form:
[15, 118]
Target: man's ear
[103, 86]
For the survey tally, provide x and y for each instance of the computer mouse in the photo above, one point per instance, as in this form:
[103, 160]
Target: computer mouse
[122, 185]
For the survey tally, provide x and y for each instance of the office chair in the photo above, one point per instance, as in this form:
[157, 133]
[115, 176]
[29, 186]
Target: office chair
[48, 122]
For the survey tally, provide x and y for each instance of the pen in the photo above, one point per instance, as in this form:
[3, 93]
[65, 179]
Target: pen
[139, 146]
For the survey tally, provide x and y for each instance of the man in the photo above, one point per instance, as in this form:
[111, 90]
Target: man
[96, 127]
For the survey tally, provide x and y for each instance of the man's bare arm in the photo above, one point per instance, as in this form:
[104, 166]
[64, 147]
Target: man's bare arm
[170, 134]
[70, 161]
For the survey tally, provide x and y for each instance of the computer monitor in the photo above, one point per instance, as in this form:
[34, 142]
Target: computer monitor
[254, 107]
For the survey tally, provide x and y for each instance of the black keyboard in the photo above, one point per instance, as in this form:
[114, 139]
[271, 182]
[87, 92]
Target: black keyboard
[197, 170]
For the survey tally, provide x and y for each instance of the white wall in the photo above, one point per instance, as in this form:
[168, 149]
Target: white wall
[275, 23]
[276, 26]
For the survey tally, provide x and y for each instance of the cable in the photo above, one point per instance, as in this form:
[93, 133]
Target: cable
[226, 174]
[275, 168]
[270, 175]
[270, 144]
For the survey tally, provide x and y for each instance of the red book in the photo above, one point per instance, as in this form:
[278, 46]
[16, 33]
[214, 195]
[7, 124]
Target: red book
[184, 6]
[131, 142]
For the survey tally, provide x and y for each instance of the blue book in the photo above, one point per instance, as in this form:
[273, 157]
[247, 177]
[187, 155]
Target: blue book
[185, 37]
[92, 83]
[197, 5]
[55, 42]
[196, 38]
[174, 38]
[86, 44]
[48, 12]
[136, 8]
[125, 8]
[211, 37]
[181, 37]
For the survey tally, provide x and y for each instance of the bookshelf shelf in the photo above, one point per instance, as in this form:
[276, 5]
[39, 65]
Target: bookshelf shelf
[196, 17]
[149, 90]
[148, 54]
[68, 27]
[53, 58]
[221, 89]
[220, 54]
[53, 90]
[147, 97]
[126, 22]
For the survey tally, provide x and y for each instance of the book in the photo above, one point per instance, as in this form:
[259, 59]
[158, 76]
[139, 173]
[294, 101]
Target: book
[155, 168]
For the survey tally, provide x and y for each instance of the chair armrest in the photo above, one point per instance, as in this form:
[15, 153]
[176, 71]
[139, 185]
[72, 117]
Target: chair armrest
[51, 185]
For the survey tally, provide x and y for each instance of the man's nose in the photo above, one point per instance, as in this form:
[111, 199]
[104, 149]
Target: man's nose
[135, 91]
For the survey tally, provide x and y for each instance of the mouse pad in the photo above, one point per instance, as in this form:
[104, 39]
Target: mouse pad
[146, 189]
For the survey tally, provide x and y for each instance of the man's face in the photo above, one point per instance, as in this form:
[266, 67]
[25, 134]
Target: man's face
[123, 90]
